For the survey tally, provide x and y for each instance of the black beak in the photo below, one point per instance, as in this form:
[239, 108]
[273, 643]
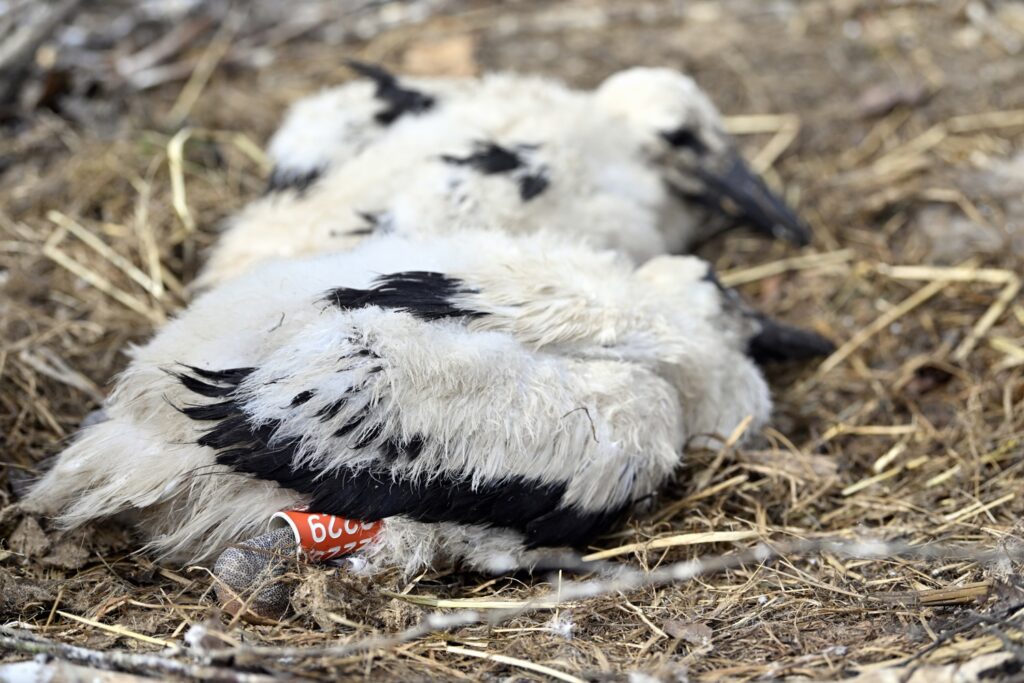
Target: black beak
[735, 190]
[777, 342]
[774, 341]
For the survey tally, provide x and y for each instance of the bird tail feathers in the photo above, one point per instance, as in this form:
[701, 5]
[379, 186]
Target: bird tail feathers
[193, 507]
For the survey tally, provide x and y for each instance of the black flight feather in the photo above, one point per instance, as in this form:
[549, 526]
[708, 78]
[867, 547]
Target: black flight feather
[426, 295]
[399, 100]
[533, 508]
[489, 158]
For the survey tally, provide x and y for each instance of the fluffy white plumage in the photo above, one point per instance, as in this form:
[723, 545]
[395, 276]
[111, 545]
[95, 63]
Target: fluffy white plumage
[490, 395]
[506, 152]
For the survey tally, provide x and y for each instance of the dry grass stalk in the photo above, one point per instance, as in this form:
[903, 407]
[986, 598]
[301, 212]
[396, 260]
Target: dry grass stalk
[119, 630]
[516, 662]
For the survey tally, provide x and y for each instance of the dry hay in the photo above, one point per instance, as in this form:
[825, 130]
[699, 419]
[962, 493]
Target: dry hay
[896, 132]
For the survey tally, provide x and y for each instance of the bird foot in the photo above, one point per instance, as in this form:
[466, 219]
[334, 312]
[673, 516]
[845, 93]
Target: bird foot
[249, 575]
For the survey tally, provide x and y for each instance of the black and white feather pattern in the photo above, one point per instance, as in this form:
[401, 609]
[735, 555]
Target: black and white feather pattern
[484, 395]
[379, 480]
[506, 152]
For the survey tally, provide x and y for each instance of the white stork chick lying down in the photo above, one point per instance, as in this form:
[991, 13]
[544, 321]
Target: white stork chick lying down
[641, 165]
[485, 395]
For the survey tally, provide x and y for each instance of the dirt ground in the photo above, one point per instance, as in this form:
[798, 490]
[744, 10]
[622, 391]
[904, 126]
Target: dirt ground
[896, 127]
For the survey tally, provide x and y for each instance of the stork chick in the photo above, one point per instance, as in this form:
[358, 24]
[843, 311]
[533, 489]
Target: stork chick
[486, 396]
[642, 165]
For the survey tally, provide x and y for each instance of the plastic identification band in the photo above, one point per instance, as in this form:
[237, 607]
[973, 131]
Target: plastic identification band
[324, 537]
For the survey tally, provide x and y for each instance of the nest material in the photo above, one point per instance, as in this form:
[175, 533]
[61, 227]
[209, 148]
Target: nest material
[895, 128]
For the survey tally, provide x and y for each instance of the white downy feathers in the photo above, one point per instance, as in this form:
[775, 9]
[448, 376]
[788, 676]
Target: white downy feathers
[453, 311]
[499, 393]
[641, 165]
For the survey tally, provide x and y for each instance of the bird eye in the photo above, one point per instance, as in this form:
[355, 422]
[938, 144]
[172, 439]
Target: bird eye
[684, 137]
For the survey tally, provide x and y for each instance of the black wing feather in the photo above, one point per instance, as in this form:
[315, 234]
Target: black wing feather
[426, 295]
[529, 506]
[399, 99]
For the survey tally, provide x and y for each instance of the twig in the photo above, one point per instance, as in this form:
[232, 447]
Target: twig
[625, 579]
[51, 251]
[934, 597]
[880, 323]
[515, 661]
[17, 50]
[988, 319]
[116, 630]
[105, 251]
[741, 276]
[176, 166]
[207, 64]
[674, 541]
[779, 143]
[947, 636]
[15, 640]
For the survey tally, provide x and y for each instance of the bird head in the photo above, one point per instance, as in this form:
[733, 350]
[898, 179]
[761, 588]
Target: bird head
[764, 339]
[680, 127]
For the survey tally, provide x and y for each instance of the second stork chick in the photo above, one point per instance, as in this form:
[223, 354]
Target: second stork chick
[485, 396]
[642, 164]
